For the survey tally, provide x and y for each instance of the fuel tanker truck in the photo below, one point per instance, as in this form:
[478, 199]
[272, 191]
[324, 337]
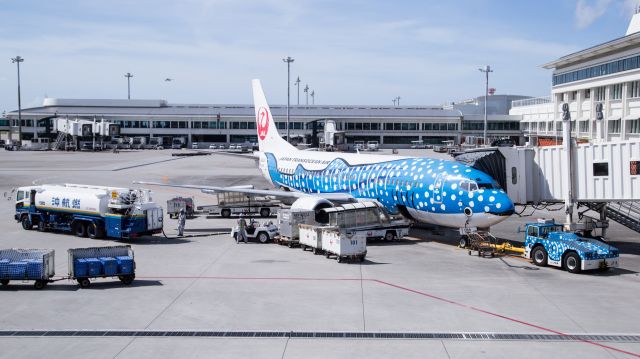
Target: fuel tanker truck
[86, 210]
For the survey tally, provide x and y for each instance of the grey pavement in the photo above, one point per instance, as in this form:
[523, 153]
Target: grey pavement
[424, 284]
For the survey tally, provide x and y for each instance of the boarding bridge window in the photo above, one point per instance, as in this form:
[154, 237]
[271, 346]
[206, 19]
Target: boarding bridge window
[600, 169]
[634, 168]
[514, 175]
[633, 89]
[587, 93]
[614, 125]
[615, 92]
[584, 126]
[559, 126]
[573, 95]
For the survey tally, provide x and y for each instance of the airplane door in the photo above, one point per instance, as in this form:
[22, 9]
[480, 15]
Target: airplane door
[437, 188]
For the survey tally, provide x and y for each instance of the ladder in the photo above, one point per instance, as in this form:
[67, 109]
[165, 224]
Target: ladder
[625, 213]
[59, 141]
[482, 242]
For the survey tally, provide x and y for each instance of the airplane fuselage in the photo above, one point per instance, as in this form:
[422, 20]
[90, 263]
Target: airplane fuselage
[430, 190]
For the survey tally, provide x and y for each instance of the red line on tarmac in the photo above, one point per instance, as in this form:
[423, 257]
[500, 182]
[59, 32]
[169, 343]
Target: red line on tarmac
[504, 317]
[415, 291]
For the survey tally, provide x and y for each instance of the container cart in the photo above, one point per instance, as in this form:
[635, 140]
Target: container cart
[27, 265]
[344, 244]
[310, 237]
[101, 262]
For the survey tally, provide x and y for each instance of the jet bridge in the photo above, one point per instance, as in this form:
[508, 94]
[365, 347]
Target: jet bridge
[602, 176]
[70, 129]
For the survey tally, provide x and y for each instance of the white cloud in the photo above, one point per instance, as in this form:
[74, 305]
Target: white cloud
[589, 11]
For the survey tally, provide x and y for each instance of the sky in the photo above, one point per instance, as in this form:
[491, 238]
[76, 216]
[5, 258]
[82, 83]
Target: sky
[362, 52]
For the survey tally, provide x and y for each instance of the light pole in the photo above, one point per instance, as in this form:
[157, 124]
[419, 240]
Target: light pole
[486, 71]
[394, 101]
[128, 75]
[398, 99]
[313, 97]
[297, 84]
[306, 91]
[288, 60]
[17, 60]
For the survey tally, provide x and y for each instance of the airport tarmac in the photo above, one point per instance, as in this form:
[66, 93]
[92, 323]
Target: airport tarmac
[206, 296]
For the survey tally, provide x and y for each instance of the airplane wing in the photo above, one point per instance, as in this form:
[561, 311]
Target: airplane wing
[336, 197]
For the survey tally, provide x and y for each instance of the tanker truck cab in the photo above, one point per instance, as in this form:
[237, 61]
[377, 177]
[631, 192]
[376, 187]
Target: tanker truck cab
[546, 243]
[85, 210]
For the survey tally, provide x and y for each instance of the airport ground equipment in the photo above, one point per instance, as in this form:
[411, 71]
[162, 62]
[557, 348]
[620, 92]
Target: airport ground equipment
[234, 203]
[343, 244]
[373, 146]
[36, 265]
[368, 218]
[288, 223]
[86, 264]
[174, 205]
[178, 143]
[547, 244]
[262, 232]
[481, 242]
[87, 210]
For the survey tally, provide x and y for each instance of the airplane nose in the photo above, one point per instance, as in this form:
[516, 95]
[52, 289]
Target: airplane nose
[503, 207]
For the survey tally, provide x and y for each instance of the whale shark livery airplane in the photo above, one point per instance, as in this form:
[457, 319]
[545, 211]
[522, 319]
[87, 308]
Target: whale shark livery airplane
[433, 191]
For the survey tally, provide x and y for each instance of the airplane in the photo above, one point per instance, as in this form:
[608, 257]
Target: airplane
[427, 190]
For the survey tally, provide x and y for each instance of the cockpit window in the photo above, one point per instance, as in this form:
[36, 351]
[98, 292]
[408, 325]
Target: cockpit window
[485, 185]
[468, 186]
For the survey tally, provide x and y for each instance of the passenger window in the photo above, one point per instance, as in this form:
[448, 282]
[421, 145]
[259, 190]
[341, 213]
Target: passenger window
[473, 186]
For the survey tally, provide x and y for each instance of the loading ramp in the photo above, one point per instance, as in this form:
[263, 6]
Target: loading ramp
[625, 213]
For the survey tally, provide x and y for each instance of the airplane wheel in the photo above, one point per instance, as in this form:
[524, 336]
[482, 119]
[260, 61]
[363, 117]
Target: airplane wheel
[390, 236]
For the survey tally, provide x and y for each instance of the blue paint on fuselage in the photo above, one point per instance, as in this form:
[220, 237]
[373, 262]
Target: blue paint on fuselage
[424, 184]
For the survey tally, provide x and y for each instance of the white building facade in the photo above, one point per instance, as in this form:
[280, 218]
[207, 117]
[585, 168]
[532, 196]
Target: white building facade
[600, 84]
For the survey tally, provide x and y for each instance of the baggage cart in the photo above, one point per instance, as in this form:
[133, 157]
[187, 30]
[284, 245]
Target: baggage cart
[344, 244]
[310, 238]
[36, 265]
[288, 224]
[86, 264]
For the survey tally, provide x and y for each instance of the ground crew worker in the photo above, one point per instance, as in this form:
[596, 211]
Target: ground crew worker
[182, 218]
[242, 230]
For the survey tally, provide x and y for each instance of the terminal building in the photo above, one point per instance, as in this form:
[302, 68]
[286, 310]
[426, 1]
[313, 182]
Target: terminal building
[600, 84]
[391, 126]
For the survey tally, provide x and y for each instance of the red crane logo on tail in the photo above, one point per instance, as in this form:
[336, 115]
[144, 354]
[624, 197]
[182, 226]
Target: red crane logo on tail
[263, 123]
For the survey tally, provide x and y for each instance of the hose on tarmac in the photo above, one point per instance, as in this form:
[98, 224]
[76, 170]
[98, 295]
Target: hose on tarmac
[194, 235]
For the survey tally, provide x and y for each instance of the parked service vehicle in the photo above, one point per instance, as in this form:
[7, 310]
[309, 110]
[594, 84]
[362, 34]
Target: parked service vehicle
[368, 218]
[175, 204]
[178, 143]
[547, 244]
[194, 146]
[22, 265]
[87, 210]
[86, 264]
[235, 203]
[419, 144]
[213, 147]
[262, 232]
[373, 146]
[358, 145]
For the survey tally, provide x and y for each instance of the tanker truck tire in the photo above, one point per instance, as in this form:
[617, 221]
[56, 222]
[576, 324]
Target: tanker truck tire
[80, 229]
[94, 231]
[26, 223]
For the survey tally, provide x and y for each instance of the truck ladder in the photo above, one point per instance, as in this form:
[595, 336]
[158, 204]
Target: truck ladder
[625, 213]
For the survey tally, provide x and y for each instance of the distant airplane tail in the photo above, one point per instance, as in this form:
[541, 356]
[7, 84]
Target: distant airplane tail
[269, 139]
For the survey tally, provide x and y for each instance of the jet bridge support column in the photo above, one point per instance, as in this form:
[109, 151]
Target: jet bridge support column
[603, 218]
[568, 180]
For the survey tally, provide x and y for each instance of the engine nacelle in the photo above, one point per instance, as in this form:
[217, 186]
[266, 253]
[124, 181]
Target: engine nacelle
[312, 203]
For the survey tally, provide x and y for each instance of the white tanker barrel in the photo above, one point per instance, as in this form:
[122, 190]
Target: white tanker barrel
[76, 200]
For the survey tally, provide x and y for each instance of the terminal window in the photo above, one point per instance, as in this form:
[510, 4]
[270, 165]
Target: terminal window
[600, 169]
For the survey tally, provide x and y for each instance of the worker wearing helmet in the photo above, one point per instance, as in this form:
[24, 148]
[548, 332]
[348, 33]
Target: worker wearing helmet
[242, 229]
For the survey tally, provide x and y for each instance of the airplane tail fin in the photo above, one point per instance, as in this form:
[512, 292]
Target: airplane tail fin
[269, 139]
